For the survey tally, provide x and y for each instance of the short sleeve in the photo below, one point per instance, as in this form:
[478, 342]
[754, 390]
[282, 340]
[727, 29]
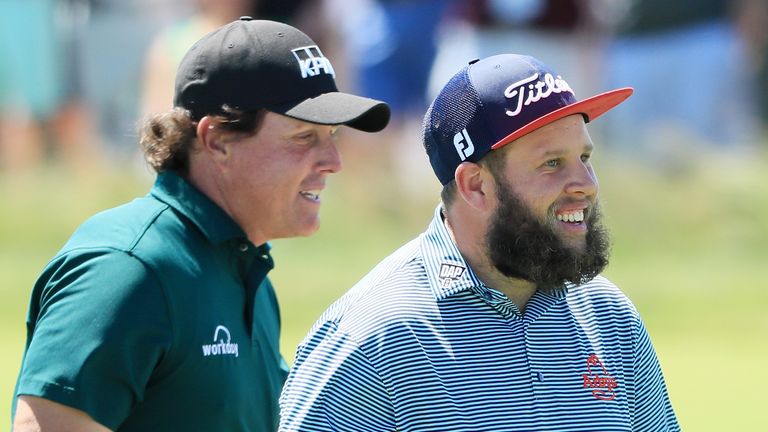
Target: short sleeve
[652, 407]
[97, 327]
[334, 387]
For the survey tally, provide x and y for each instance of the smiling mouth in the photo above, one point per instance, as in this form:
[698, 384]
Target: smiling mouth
[572, 217]
[311, 195]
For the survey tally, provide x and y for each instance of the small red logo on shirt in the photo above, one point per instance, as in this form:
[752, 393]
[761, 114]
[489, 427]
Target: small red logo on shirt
[598, 379]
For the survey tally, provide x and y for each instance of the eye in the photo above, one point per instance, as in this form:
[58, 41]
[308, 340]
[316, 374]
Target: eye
[586, 157]
[552, 163]
[304, 137]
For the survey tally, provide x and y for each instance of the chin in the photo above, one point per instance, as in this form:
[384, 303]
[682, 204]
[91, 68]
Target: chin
[308, 228]
[576, 245]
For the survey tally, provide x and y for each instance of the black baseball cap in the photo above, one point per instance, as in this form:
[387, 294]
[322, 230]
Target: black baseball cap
[492, 102]
[251, 64]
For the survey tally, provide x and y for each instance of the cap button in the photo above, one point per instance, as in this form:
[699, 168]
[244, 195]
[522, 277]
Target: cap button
[474, 60]
[246, 18]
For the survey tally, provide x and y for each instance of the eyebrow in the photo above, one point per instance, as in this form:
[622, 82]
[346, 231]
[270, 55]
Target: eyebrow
[299, 129]
[559, 152]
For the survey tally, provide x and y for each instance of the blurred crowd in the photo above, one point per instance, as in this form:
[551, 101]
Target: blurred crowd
[77, 76]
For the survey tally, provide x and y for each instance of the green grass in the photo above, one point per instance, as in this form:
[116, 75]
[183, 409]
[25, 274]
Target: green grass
[689, 249]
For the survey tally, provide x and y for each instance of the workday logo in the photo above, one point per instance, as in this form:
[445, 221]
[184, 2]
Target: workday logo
[598, 379]
[312, 62]
[222, 344]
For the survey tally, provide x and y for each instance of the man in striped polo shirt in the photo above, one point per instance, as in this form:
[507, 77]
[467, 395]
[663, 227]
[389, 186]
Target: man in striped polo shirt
[496, 317]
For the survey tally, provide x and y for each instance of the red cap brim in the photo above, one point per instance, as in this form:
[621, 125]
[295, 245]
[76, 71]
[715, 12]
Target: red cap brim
[592, 107]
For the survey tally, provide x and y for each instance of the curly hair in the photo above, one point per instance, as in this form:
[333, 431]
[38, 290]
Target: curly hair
[168, 138]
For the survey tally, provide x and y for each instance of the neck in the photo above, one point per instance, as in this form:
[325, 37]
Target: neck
[207, 179]
[469, 236]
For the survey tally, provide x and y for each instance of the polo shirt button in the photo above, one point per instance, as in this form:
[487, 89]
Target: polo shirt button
[487, 295]
[539, 377]
[243, 247]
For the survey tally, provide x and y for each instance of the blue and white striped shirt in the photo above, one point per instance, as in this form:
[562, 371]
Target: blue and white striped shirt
[420, 344]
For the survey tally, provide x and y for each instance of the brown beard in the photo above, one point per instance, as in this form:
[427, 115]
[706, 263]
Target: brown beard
[523, 247]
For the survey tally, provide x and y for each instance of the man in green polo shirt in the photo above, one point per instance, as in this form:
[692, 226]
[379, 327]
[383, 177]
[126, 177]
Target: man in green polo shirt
[158, 314]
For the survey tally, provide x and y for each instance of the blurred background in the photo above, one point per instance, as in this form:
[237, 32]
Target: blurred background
[683, 164]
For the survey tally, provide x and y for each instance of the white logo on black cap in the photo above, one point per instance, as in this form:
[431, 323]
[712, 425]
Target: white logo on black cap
[312, 62]
[463, 144]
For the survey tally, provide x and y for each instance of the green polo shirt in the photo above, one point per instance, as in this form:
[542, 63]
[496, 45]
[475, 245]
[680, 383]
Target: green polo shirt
[156, 316]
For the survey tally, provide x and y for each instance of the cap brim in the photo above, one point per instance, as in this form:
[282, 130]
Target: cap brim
[368, 115]
[592, 108]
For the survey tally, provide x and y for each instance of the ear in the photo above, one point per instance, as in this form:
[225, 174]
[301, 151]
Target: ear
[211, 139]
[475, 185]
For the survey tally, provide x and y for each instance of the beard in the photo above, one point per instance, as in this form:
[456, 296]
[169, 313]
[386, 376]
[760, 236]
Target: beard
[523, 247]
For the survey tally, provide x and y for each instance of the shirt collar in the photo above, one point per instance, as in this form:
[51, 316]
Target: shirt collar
[214, 223]
[449, 273]
[446, 269]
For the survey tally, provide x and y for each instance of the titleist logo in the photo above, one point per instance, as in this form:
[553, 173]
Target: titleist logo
[524, 92]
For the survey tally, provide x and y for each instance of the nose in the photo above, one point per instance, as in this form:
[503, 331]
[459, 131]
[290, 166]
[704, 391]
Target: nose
[583, 181]
[331, 158]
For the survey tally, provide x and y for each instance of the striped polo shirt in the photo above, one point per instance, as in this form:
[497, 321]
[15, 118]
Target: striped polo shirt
[421, 344]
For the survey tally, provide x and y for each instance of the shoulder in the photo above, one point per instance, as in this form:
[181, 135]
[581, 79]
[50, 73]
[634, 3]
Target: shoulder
[145, 228]
[101, 253]
[120, 227]
[600, 295]
[97, 273]
[395, 291]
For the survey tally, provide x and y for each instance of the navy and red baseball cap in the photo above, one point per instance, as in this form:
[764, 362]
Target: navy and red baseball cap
[252, 64]
[494, 101]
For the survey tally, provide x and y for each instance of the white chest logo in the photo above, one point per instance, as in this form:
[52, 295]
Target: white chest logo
[222, 344]
[524, 93]
[312, 62]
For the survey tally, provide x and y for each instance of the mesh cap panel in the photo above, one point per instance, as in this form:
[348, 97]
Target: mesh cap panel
[450, 113]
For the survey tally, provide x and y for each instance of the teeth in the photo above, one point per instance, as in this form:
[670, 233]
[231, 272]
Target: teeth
[576, 216]
[313, 195]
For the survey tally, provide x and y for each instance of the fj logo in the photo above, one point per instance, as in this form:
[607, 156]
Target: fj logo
[598, 380]
[450, 273]
[312, 62]
[463, 144]
[222, 344]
